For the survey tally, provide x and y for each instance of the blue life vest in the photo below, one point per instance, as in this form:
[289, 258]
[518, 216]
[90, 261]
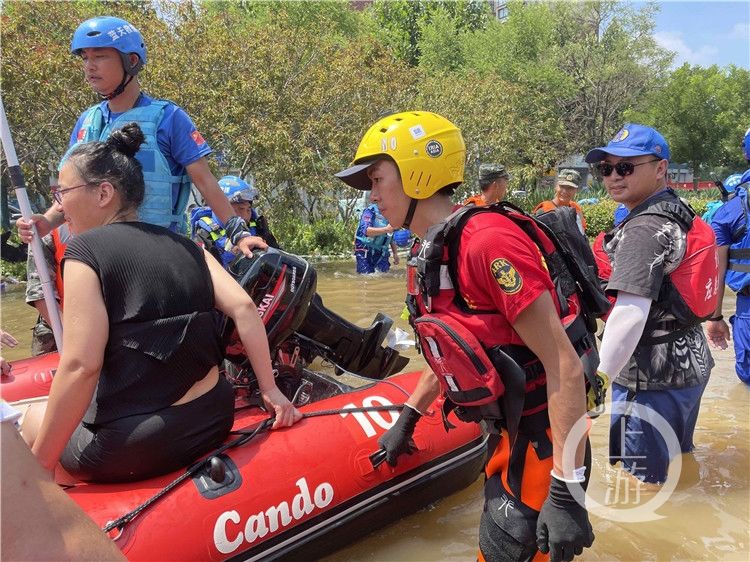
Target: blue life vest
[252, 226]
[711, 209]
[738, 268]
[158, 205]
[376, 243]
[203, 220]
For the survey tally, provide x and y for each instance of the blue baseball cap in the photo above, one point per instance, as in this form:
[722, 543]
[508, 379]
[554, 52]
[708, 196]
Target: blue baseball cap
[632, 140]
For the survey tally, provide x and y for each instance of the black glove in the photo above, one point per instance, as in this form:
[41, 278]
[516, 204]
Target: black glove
[563, 527]
[397, 440]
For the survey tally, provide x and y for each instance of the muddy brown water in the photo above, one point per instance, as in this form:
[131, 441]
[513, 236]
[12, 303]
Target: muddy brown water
[705, 517]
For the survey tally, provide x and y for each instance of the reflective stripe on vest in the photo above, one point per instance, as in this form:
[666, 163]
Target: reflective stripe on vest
[158, 206]
[218, 235]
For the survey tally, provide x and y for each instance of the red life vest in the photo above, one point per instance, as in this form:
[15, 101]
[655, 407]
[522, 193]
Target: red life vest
[60, 246]
[689, 294]
[485, 376]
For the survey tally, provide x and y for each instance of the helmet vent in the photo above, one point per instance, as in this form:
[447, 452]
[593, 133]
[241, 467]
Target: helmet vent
[93, 33]
[419, 179]
[383, 129]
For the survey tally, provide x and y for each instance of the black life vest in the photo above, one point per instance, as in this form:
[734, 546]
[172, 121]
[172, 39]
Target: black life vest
[480, 376]
[689, 294]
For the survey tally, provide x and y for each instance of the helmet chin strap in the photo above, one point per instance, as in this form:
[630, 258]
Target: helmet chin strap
[126, 79]
[410, 213]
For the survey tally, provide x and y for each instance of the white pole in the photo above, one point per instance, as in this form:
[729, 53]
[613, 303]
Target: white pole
[16, 179]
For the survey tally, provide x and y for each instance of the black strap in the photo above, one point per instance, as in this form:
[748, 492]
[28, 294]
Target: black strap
[410, 213]
[739, 253]
[673, 209]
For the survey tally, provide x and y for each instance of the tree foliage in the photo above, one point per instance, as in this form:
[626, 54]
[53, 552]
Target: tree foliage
[703, 113]
[283, 91]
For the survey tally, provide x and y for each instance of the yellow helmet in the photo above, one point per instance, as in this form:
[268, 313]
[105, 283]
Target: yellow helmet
[427, 148]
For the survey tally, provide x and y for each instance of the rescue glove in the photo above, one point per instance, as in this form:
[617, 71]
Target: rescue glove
[563, 528]
[597, 393]
[397, 440]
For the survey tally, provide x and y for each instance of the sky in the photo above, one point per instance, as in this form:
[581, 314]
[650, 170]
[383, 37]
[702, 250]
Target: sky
[704, 32]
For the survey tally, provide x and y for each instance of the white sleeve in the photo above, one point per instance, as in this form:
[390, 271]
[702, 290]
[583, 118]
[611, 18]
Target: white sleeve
[622, 332]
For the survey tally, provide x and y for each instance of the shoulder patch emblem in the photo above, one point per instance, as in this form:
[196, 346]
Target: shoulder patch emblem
[506, 276]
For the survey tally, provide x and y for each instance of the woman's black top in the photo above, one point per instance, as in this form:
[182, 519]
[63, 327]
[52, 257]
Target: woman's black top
[164, 333]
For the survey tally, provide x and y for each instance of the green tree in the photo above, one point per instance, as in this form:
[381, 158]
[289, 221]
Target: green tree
[402, 22]
[289, 106]
[702, 113]
[43, 89]
[607, 50]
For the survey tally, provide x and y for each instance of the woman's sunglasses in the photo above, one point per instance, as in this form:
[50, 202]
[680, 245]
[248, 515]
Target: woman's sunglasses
[622, 168]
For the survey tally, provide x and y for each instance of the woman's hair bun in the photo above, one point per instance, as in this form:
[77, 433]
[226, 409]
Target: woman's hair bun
[127, 140]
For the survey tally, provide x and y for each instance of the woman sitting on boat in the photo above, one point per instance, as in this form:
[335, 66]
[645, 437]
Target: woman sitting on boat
[138, 391]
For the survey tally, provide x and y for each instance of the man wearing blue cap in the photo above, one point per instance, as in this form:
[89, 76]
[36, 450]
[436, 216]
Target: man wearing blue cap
[653, 346]
[730, 223]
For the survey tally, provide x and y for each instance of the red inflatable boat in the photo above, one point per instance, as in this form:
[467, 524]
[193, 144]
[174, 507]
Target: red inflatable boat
[307, 489]
[299, 492]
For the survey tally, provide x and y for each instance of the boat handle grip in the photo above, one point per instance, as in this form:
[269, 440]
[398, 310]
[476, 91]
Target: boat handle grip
[378, 457]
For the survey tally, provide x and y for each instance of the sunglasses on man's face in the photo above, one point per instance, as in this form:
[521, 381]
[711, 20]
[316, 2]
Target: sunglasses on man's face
[622, 168]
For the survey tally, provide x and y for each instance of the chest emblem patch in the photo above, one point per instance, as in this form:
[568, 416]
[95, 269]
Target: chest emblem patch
[506, 276]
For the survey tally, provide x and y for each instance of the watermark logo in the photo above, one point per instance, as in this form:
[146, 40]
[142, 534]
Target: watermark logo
[623, 499]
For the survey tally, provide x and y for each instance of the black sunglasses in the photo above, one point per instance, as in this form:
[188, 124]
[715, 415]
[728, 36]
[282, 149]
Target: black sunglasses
[622, 168]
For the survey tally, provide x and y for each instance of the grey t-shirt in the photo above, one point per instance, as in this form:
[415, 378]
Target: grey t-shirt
[643, 252]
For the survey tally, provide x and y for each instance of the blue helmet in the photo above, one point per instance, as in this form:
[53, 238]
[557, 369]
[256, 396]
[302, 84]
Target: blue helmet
[402, 237]
[732, 182]
[237, 190]
[115, 33]
[746, 145]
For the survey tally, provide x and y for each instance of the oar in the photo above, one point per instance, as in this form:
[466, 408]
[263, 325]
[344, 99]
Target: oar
[16, 179]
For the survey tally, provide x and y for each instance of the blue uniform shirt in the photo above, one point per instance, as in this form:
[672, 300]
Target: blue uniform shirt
[179, 140]
[727, 221]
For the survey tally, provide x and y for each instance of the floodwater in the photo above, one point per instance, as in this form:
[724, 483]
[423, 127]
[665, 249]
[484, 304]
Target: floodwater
[705, 517]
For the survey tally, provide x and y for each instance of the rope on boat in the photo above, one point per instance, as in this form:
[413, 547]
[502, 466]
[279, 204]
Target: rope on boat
[245, 436]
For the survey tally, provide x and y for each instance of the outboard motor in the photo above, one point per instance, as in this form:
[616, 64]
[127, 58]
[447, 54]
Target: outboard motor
[283, 288]
[350, 347]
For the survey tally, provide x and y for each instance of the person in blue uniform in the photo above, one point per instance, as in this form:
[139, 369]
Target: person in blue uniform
[730, 224]
[206, 227]
[113, 52]
[373, 242]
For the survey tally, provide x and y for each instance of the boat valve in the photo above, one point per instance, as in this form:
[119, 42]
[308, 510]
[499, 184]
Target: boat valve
[217, 470]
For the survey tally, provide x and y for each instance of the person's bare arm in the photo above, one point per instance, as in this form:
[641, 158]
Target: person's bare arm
[540, 328]
[45, 224]
[233, 301]
[718, 330]
[85, 338]
[30, 495]
[426, 391]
